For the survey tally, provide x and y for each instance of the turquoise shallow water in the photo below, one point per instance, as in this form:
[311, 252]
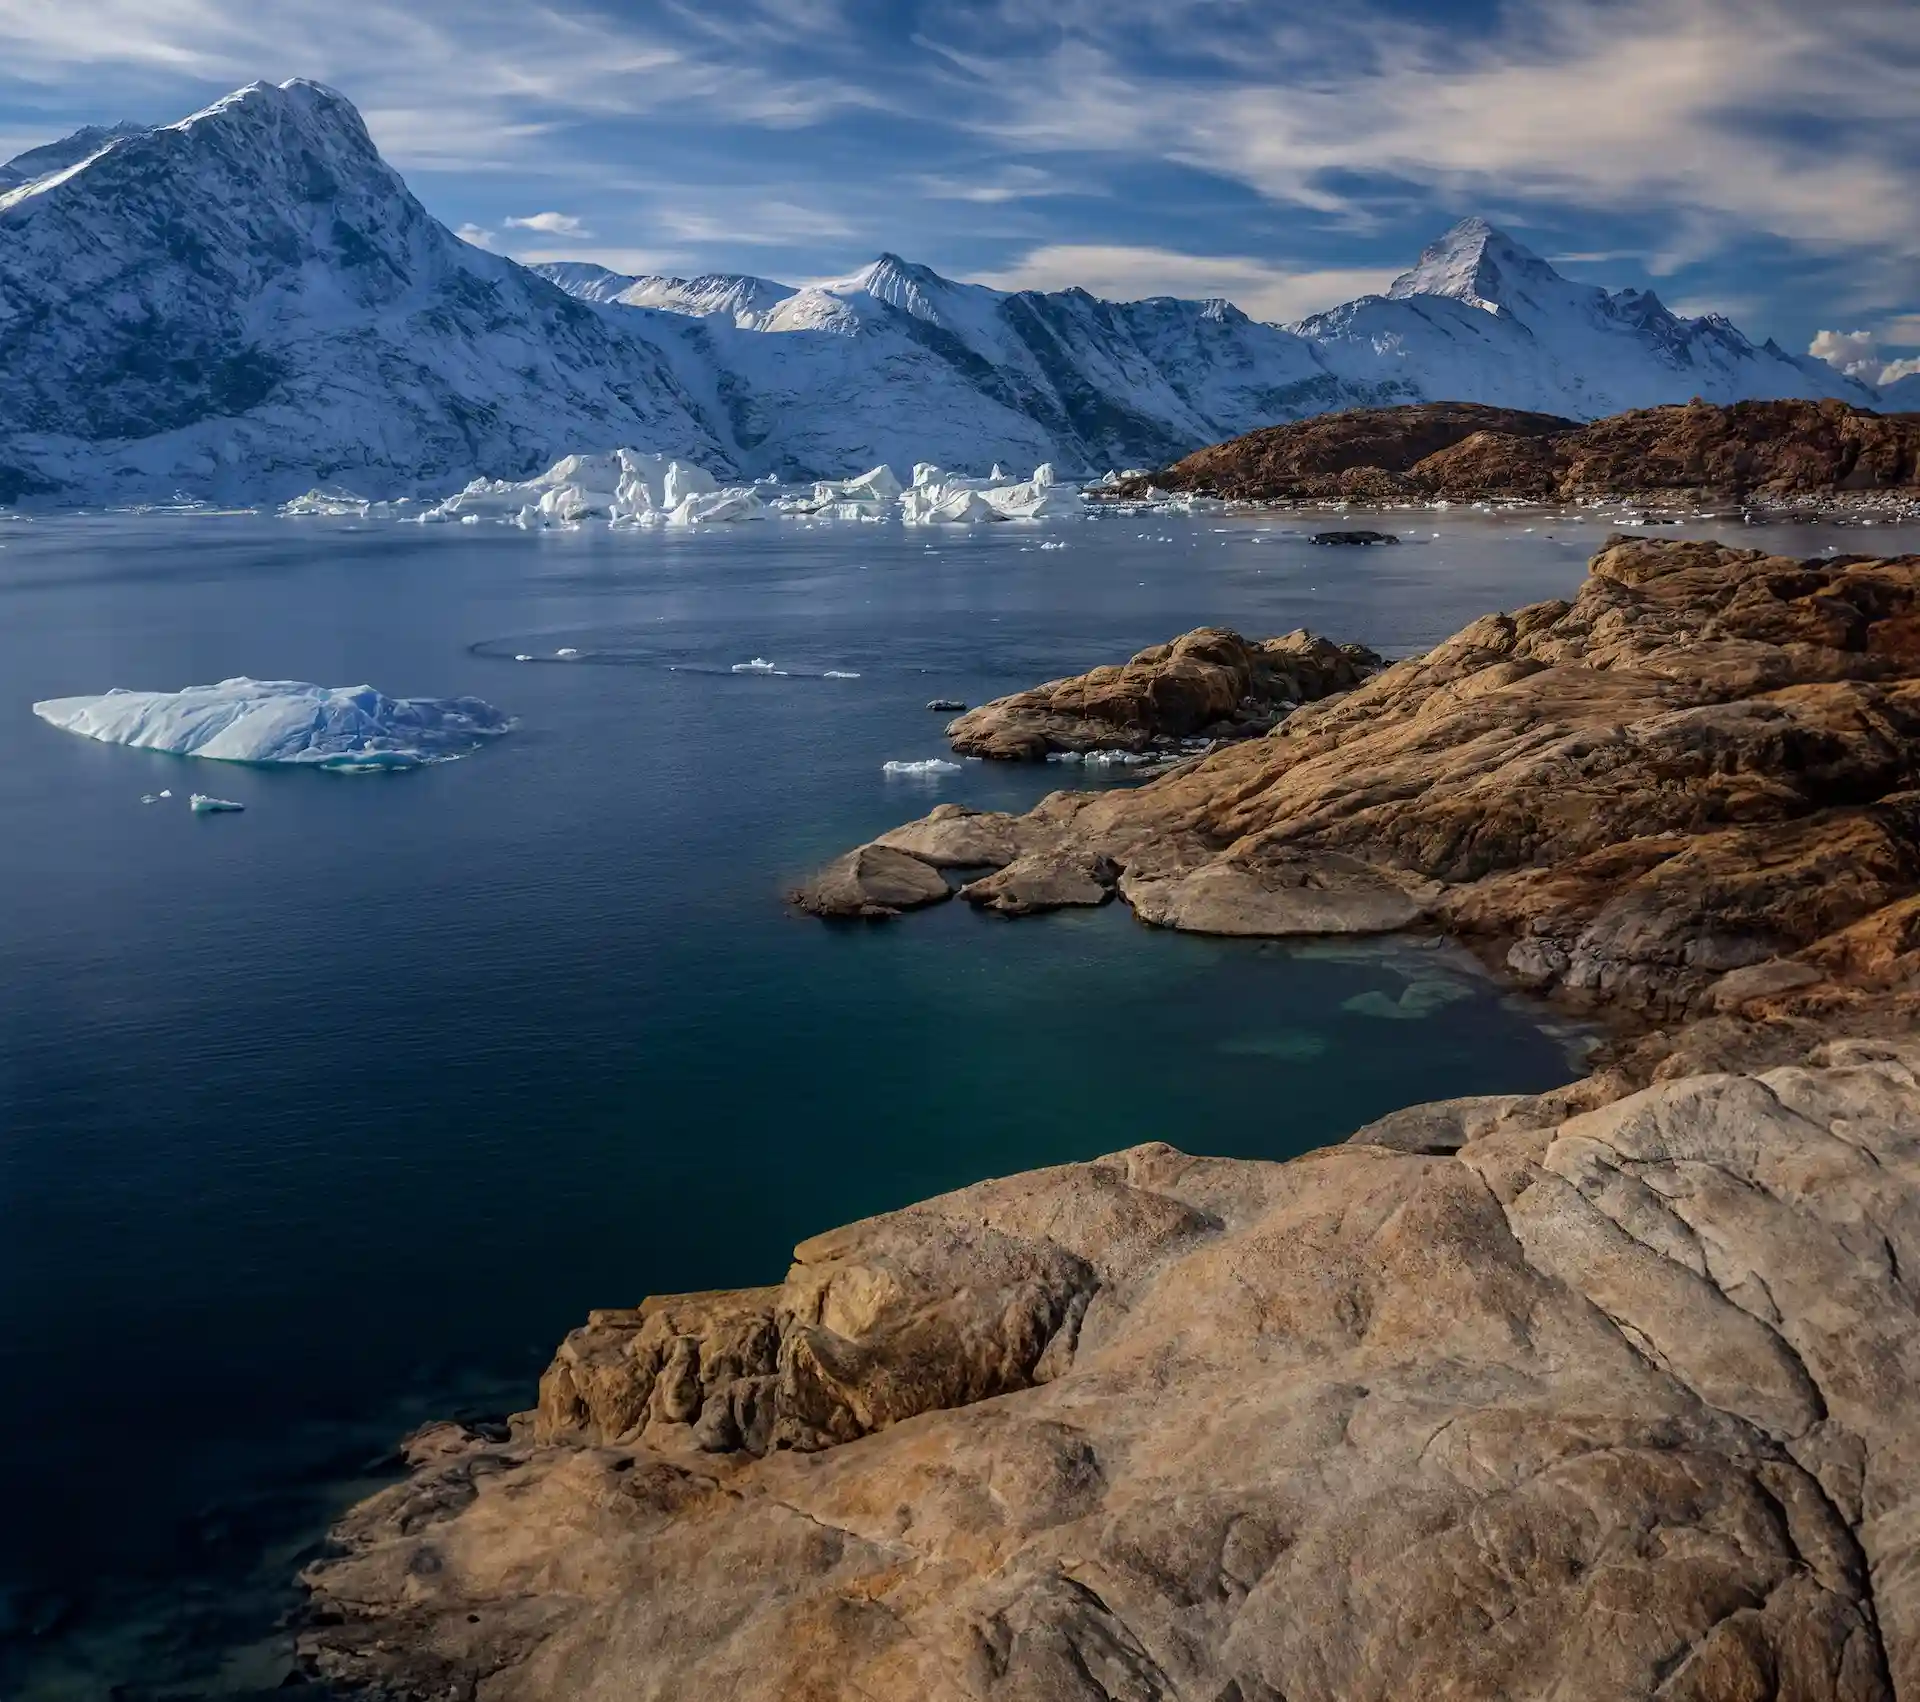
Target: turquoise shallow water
[319, 1119]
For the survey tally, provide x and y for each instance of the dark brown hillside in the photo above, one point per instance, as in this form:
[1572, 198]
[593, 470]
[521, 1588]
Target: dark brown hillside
[1460, 451]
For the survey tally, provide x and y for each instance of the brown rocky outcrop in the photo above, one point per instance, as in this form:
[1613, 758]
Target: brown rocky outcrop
[1461, 452]
[1605, 1393]
[1707, 762]
[1597, 1403]
[1209, 683]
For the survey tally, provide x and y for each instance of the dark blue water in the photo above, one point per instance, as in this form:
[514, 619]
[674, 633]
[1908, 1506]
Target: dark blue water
[321, 1118]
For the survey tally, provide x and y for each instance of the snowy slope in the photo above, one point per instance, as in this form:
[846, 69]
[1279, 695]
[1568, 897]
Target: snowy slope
[896, 363]
[83, 144]
[250, 303]
[1482, 319]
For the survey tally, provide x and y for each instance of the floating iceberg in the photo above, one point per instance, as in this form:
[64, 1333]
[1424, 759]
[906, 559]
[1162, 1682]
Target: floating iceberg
[202, 805]
[759, 665]
[939, 497]
[839, 674]
[629, 487]
[927, 765]
[872, 496]
[324, 504]
[353, 728]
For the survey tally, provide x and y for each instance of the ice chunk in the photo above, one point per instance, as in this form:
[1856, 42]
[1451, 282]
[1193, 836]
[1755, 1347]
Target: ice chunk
[839, 674]
[759, 665]
[566, 650]
[149, 797]
[927, 765]
[243, 720]
[1103, 759]
[202, 805]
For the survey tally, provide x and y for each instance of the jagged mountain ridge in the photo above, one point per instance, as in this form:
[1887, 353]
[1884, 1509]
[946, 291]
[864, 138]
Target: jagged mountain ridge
[252, 301]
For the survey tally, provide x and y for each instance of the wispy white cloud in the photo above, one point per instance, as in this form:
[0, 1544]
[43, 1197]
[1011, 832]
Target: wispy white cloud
[1259, 288]
[478, 235]
[1735, 115]
[757, 223]
[455, 90]
[549, 224]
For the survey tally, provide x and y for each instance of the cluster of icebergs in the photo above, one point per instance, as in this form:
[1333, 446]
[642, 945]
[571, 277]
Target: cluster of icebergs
[350, 728]
[636, 488]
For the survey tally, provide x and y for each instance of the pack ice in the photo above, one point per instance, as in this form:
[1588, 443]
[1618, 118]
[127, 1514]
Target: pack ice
[350, 728]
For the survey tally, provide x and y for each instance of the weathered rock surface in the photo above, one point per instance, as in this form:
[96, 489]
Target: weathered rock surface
[1612, 1400]
[871, 881]
[1461, 452]
[1208, 683]
[1694, 789]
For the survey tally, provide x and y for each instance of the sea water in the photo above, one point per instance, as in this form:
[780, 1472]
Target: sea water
[336, 1114]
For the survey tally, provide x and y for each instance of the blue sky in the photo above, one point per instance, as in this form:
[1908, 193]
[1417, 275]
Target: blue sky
[1760, 157]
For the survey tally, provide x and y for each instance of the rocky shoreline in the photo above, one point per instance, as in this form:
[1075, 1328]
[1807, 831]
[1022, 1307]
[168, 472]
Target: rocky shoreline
[1600, 1393]
[1766, 458]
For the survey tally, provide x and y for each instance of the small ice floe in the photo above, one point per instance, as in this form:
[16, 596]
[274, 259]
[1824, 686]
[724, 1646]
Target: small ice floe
[839, 674]
[926, 765]
[150, 797]
[1102, 759]
[566, 650]
[523, 657]
[758, 665]
[202, 805]
[353, 728]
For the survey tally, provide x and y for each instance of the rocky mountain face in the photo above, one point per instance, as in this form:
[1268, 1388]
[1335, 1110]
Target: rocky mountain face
[1463, 452]
[1601, 1394]
[251, 302]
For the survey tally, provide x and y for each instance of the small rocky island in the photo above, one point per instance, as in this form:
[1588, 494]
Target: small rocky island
[1773, 452]
[1603, 1393]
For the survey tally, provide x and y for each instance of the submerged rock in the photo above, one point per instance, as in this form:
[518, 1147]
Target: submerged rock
[1355, 537]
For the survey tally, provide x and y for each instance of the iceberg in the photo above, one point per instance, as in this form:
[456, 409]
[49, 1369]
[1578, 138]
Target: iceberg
[927, 765]
[324, 504]
[354, 729]
[202, 805]
[626, 487]
[939, 497]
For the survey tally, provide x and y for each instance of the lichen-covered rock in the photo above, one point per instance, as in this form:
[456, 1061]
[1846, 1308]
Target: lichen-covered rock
[1603, 1403]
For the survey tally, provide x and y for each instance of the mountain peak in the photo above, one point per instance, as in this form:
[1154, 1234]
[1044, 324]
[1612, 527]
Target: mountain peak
[1476, 264]
[58, 156]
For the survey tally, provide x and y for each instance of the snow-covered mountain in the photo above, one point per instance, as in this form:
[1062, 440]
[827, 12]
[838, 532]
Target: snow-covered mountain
[1482, 319]
[250, 302]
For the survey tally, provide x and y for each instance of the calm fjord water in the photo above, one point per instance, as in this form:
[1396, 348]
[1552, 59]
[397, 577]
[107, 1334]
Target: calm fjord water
[323, 1117]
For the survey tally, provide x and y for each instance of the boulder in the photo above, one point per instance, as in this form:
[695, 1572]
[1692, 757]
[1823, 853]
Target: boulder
[872, 881]
[1210, 682]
